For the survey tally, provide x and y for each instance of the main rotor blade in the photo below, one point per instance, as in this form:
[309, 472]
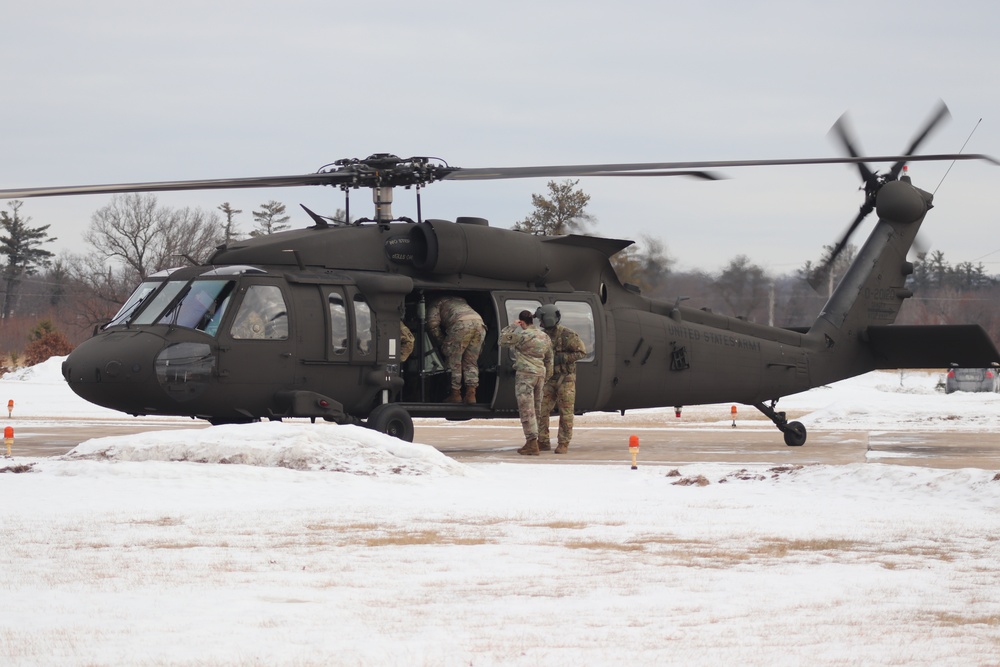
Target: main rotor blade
[363, 175]
[706, 175]
[491, 173]
[168, 186]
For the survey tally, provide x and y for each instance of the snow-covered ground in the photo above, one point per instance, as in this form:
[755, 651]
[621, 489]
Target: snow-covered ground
[299, 544]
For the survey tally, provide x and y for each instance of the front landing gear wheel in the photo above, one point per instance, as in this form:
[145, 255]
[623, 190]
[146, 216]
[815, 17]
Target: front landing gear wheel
[393, 420]
[795, 434]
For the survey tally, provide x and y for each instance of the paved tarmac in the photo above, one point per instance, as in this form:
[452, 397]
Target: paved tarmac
[682, 446]
[753, 442]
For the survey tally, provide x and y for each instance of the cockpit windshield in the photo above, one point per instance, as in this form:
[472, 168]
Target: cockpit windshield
[201, 306]
[194, 304]
[198, 304]
[137, 299]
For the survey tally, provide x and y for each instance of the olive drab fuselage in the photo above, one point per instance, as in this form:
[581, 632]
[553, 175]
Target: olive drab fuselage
[306, 324]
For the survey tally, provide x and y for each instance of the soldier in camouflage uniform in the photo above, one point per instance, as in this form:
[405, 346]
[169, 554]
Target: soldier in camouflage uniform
[406, 342]
[533, 365]
[560, 389]
[460, 331]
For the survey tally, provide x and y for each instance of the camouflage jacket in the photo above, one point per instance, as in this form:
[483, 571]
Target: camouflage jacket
[446, 312]
[406, 341]
[532, 349]
[567, 349]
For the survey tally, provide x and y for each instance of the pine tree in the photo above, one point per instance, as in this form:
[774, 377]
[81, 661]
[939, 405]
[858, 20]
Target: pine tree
[229, 226]
[270, 219]
[561, 213]
[20, 243]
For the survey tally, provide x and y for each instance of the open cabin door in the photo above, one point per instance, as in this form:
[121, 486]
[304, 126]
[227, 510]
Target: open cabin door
[426, 378]
[580, 313]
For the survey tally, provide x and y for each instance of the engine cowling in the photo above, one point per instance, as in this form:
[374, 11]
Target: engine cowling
[442, 247]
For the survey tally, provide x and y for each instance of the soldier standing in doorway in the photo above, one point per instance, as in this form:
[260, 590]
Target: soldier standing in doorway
[560, 389]
[460, 331]
[533, 365]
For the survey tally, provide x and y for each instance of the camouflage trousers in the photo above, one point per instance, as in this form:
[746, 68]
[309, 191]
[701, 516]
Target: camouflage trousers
[528, 392]
[558, 392]
[461, 348]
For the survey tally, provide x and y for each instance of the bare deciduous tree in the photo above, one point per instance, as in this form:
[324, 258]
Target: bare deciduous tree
[131, 238]
[145, 237]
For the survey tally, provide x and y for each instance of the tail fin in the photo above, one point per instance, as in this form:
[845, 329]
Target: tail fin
[873, 289]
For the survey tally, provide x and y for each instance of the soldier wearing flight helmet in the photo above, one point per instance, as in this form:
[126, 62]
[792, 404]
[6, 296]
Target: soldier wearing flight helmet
[560, 389]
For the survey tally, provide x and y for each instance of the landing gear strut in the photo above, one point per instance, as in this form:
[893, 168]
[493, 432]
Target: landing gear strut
[795, 432]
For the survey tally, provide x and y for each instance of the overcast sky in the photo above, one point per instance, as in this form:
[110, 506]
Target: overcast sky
[112, 92]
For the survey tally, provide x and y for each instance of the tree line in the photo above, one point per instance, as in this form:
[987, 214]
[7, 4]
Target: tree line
[134, 236]
[943, 293]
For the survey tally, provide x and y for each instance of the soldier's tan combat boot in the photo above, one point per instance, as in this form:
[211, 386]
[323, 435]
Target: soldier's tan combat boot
[470, 395]
[530, 448]
[544, 446]
[562, 448]
[456, 396]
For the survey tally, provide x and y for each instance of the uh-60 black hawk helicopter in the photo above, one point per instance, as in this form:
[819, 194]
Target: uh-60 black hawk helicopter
[306, 323]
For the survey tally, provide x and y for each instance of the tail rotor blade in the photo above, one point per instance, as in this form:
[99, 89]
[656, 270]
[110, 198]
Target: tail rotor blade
[942, 113]
[872, 182]
[841, 130]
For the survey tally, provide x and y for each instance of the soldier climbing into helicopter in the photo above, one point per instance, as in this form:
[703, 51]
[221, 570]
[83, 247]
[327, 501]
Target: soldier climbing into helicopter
[560, 389]
[460, 330]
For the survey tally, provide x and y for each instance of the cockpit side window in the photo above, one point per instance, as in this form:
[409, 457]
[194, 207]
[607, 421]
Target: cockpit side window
[262, 315]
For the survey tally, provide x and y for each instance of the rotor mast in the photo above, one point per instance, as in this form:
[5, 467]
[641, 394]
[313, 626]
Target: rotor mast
[382, 198]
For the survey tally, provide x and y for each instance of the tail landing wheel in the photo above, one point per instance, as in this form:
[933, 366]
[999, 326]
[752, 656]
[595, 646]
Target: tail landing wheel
[795, 432]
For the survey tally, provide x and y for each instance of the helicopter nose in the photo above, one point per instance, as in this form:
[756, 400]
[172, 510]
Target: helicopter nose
[116, 370]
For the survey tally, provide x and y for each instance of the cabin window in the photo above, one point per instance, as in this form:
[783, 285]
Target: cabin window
[262, 315]
[514, 308]
[579, 316]
[338, 323]
[201, 306]
[363, 324]
[576, 315]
